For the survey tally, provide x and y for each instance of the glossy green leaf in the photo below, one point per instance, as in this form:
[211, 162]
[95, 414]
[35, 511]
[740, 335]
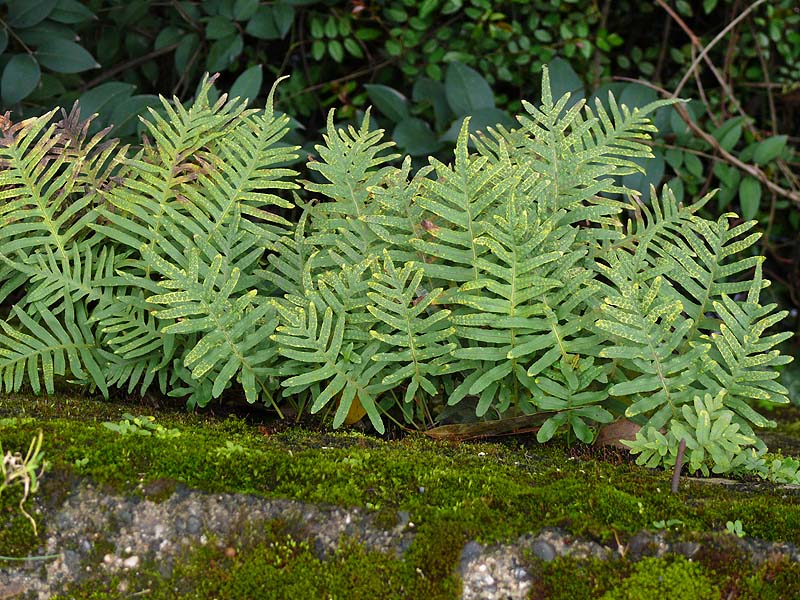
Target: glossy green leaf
[634, 95]
[415, 137]
[248, 84]
[273, 22]
[693, 165]
[71, 12]
[564, 80]
[3, 39]
[20, 77]
[125, 116]
[729, 133]
[653, 173]
[429, 90]
[283, 15]
[336, 50]
[44, 32]
[353, 47]
[391, 103]
[185, 51]
[99, 97]
[63, 56]
[262, 24]
[223, 52]
[769, 149]
[466, 90]
[244, 9]
[480, 121]
[168, 36]
[330, 28]
[27, 13]
[749, 197]
[219, 27]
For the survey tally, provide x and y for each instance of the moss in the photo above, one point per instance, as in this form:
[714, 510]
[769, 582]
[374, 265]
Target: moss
[17, 538]
[453, 492]
[777, 579]
[720, 570]
[495, 490]
[676, 577]
[280, 564]
[436, 553]
[160, 489]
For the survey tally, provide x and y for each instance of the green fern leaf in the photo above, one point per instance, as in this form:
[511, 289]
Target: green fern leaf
[47, 348]
[408, 338]
[458, 200]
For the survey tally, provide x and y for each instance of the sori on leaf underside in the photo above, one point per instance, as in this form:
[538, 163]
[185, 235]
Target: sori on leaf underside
[516, 279]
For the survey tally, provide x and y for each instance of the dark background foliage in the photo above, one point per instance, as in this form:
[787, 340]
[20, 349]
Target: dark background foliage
[424, 65]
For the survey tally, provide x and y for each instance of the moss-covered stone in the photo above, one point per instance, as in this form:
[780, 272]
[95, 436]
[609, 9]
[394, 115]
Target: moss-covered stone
[490, 492]
[495, 490]
[279, 564]
[704, 577]
[653, 578]
[17, 538]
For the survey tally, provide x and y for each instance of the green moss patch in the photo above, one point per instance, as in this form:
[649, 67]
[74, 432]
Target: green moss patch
[495, 491]
[701, 578]
[489, 492]
[16, 532]
[279, 563]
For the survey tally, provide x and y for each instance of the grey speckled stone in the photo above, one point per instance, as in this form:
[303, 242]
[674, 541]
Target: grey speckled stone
[470, 552]
[543, 550]
[161, 533]
[193, 525]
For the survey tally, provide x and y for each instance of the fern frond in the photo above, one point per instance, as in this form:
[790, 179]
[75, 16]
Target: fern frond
[346, 291]
[290, 263]
[238, 176]
[130, 329]
[408, 337]
[693, 253]
[647, 330]
[344, 370]
[351, 162]
[156, 176]
[38, 208]
[232, 328]
[506, 313]
[82, 277]
[577, 151]
[572, 399]
[399, 217]
[712, 438]
[46, 348]
[743, 362]
[458, 201]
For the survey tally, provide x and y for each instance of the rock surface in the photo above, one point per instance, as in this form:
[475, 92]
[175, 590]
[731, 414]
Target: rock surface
[94, 531]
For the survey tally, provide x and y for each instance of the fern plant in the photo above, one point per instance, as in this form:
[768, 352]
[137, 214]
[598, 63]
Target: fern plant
[516, 280]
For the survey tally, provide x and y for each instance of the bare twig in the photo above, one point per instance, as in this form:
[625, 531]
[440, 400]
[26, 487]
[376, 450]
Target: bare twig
[353, 75]
[662, 54]
[704, 50]
[702, 92]
[698, 44]
[750, 169]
